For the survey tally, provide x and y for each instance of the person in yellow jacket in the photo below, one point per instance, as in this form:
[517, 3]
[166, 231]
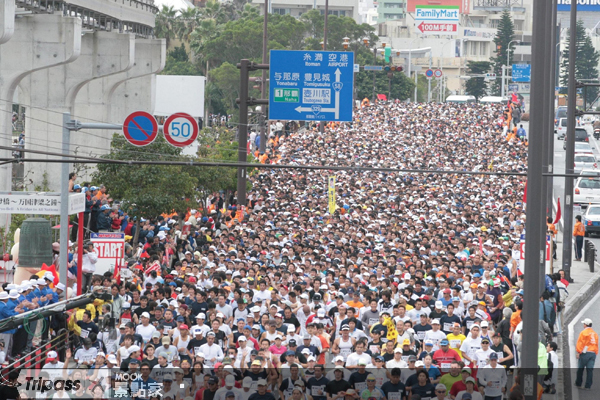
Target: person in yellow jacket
[587, 350]
[77, 315]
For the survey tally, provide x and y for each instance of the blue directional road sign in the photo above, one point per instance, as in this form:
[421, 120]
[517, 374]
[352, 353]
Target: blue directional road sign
[521, 72]
[311, 85]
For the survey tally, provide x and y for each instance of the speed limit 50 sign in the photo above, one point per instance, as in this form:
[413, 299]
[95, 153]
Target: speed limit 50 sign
[180, 129]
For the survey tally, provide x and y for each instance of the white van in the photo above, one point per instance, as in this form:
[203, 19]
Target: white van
[494, 100]
[461, 99]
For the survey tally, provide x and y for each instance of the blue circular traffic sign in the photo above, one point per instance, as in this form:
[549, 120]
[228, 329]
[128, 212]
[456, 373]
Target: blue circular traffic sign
[180, 129]
[429, 73]
[140, 128]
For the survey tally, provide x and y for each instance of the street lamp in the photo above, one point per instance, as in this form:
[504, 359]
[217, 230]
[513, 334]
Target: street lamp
[505, 68]
[346, 42]
[366, 42]
[322, 45]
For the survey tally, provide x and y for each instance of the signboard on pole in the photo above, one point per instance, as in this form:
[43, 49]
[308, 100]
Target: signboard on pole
[521, 73]
[42, 203]
[437, 19]
[582, 5]
[140, 128]
[438, 73]
[429, 73]
[331, 194]
[311, 85]
[180, 129]
[110, 247]
[373, 68]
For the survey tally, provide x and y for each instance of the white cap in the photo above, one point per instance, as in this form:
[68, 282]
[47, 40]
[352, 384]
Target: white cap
[435, 322]
[587, 322]
[61, 286]
[243, 338]
[112, 359]
[247, 382]
[145, 314]
[229, 380]
[52, 354]
[13, 294]
[201, 315]
[439, 304]
[41, 281]
[3, 295]
[11, 286]
[201, 355]
[320, 312]
[338, 358]
[255, 309]
[484, 324]
[133, 348]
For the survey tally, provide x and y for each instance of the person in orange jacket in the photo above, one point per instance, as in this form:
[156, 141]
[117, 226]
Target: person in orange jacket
[587, 350]
[579, 233]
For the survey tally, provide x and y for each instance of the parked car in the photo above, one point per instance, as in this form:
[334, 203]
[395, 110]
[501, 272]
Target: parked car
[591, 220]
[561, 128]
[590, 172]
[581, 135]
[586, 191]
[584, 161]
[561, 112]
[583, 148]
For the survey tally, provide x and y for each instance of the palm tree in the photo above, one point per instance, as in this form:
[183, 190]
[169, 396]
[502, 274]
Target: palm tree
[189, 20]
[166, 23]
[206, 30]
[214, 11]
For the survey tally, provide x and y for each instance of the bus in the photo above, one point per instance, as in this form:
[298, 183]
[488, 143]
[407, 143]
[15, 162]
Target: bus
[494, 100]
[461, 99]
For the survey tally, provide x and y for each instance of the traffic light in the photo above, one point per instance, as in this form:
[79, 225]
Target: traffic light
[393, 68]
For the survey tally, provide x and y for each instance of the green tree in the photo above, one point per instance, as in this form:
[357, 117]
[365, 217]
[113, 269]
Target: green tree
[477, 87]
[226, 79]
[150, 189]
[503, 39]
[178, 63]
[167, 24]
[586, 62]
[401, 87]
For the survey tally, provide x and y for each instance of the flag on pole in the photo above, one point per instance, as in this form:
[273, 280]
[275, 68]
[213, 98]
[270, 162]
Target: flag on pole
[558, 214]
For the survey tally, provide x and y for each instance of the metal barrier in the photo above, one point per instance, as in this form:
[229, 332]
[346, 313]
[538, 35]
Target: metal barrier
[37, 357]
[589, 255]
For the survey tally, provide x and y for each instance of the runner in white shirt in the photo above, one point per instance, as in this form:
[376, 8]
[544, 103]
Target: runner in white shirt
[471, 345]
[482, 356]
[343, 344]
[435, 335]
[359, 354]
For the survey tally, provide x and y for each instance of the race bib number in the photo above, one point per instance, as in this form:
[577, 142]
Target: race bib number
[455, 344]
[495, 384]
[447, 327]
[84, 333]
[197, 350]
[394, 396]
[373, 321]
[500, 355]
[421, 335]
[374, 349]
[345, 353]
[360, 386]
[125, 320]
[482, 363]
[470, 324]
[446, 367]
[317, 391]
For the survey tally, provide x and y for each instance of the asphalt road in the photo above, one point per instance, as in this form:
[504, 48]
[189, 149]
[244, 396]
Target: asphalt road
[559, 168]
[591, 310]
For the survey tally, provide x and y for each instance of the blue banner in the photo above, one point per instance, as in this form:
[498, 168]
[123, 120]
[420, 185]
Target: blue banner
[582, 5]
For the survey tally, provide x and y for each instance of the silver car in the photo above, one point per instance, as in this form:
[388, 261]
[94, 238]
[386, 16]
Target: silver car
[591, 220]
[584, 161]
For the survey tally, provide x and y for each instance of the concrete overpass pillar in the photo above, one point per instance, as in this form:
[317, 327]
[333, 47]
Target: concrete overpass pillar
[7, 20]
[53, 91]
[39, 41]
[120, 94]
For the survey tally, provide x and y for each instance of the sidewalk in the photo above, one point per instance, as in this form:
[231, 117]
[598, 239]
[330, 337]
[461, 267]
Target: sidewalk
[585, 284]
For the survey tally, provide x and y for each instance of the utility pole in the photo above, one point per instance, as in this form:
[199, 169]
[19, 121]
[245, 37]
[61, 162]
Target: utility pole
[429, 81]
[570, 152]
[263, 84]
[553, 50]
[243, 133]
[374, 63]
[322, 123]
[535, 227]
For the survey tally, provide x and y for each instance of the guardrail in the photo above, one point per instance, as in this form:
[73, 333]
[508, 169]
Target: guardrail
[589, 254]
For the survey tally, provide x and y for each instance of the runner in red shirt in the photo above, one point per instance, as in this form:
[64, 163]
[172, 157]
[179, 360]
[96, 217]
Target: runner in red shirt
[444, 356]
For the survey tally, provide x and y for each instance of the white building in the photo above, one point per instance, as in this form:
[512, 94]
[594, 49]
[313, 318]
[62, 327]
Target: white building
[342, 8]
